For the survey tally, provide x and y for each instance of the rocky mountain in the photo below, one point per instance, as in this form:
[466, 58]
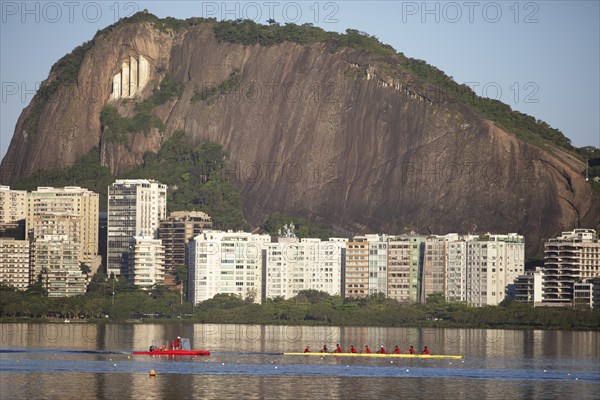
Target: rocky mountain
[337, 128]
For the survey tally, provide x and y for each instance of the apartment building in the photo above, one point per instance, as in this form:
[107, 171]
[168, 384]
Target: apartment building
[146, 261]
[291, 265]
[135, 208]
[14, 263]
[13, 205]
[528, 287]
[177, 230]
[356, 282]
[405, 262]
[69, 211]
[56, 260]
[568, 259]
[227, 263]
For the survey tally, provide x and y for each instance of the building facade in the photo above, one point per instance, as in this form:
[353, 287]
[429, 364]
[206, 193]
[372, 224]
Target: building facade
[177, 230]
[378, 263]
[14, 263]
[291, 265]
[356, 284]
[528, 287]
[146, 261]
[406, 254]
[493, 262]
[135, 208]
[13, 205]
[69, 211]
[226, 263]
[56, 260]
[568, 259]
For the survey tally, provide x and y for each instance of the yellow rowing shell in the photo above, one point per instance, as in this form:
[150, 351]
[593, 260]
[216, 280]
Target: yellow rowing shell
[374, 355]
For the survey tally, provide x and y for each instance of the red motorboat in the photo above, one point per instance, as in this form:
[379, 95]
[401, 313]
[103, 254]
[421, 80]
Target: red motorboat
[184, 349]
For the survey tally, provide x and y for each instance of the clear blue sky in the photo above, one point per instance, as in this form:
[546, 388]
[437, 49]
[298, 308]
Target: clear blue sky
[541, 57]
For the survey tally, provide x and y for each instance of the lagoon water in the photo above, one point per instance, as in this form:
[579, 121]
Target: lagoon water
[80, 360]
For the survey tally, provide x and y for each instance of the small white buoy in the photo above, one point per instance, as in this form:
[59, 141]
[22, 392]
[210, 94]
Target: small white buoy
[114, 365]
[391, 362]
[544, 370]
[347, 366]
[275, 367]
[222, 363]
[450, 363]
[576, 379]
[407, 370]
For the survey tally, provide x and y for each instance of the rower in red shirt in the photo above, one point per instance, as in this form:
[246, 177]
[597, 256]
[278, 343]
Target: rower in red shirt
[381, 351]
[324, 349]
[352, 349]
[397, 350]
[338, 349]
[307, 350]
[367, 349]
[411, 350]
[426, 350]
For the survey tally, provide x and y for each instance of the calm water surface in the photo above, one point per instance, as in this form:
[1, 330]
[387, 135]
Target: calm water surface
[78, 360]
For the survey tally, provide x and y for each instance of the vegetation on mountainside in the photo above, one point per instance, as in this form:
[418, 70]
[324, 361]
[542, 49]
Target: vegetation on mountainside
[116, 127]
[303, 228]
[309, 307]
[193, 176]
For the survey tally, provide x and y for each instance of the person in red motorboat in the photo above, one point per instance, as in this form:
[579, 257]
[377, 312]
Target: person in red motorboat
[426, 350]
[324, 349]
[411, 350]
[177, 343]
[307, 350]
[367, 349]
[381, 350]
[352, 349]
[396, 350]
[338, 349]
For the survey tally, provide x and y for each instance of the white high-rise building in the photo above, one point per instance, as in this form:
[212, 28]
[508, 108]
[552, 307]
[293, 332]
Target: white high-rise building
[529, 288]
[493, 262]
[293, 265]
[13, 205]
[569, 258]
[456, 269]
[226, 263]
[135, 207]
[14, 263]
[71, 211]
[146, 261]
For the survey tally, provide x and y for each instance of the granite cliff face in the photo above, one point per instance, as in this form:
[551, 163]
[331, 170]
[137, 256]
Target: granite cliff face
[333, 134]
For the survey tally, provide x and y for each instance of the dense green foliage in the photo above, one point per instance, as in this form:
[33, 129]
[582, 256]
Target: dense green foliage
[192, 175]
[117, 127]
[194, 180]
[308, 308]
[86, 172]
[303, 228]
